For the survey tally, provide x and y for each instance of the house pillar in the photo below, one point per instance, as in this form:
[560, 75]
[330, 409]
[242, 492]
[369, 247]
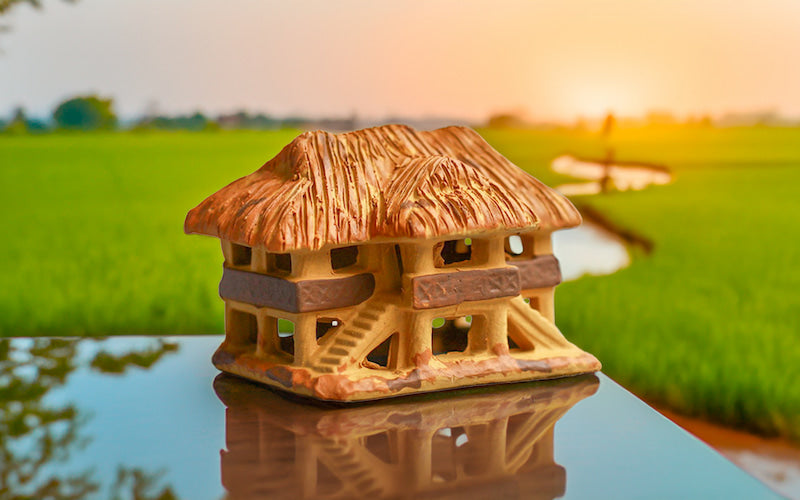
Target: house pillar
[417, 257]
[419, 349]
[305, 338]
[311, 265]
[547, 304]
[416, 456]
[496, 327]
[489, 251]
[542, 244]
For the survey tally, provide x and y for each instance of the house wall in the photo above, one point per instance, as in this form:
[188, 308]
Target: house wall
[480, 288]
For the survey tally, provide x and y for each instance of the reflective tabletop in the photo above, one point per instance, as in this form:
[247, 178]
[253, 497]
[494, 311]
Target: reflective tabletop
[150, 417]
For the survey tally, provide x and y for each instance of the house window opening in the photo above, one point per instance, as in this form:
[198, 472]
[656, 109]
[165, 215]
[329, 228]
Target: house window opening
[453, 252]
[534, 303]
[286, 336]
[445, 466]
[450, 334]
[342, 258]
[279, 263]
[242, 328]
[241, 255]
[379, 357]
[514, 246]
[324, 325]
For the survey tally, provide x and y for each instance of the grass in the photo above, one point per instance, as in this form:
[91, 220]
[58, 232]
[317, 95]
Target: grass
[707, 324]
[93, 230]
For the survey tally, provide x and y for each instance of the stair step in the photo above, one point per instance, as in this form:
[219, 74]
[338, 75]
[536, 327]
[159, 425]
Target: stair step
[338, 351]
[331, 361]
[364, 483]
[324, 369]
[353, 333]
[362, 323]
[371, 315]
[345, 342]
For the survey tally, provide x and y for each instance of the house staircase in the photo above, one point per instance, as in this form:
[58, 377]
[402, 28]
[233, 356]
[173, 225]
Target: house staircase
[357, 468]
[529, 329]
[360, 333]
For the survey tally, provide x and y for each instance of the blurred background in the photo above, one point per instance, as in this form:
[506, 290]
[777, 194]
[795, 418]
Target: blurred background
[673, 126]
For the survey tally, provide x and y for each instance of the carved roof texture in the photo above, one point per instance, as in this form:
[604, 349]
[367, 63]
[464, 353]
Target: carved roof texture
[390, 182]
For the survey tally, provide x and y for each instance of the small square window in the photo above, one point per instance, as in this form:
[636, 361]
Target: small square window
[453, 252]
[518, 247]
[344, 257]
[279, 263]
[241, 255]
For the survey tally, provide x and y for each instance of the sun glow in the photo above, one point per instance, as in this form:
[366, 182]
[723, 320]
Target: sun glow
[592, 97]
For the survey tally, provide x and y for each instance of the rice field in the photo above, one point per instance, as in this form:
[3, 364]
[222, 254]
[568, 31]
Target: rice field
[707, 324]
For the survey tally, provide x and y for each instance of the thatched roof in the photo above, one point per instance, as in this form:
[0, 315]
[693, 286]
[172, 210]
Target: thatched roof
[328, 189]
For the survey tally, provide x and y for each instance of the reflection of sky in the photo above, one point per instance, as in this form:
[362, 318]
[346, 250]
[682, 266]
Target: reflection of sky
[167, 417]
[611, 444]
[587, 249]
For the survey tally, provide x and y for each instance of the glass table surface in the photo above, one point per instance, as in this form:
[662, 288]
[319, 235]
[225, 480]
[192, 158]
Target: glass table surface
[150, 417]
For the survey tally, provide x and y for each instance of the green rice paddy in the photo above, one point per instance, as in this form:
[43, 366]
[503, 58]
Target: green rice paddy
[707, 324]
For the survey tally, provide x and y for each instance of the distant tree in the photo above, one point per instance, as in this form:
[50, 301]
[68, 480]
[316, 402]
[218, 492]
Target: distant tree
[506, 120]
[18, 123]
[196, 122]
[244, 120]
[6, 5]
[21, 124]
[85, 113]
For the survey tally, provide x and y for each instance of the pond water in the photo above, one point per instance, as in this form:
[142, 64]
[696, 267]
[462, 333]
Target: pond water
[624, 177]
[589, 249]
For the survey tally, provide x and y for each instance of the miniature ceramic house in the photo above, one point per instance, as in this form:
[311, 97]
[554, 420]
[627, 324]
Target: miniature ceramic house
[389, 261]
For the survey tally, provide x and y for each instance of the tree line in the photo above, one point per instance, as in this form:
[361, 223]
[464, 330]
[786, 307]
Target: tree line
[94, 113]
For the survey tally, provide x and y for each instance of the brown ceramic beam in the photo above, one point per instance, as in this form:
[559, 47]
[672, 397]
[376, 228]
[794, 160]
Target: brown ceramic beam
[540, 272]
[302, 296]
[446, 289]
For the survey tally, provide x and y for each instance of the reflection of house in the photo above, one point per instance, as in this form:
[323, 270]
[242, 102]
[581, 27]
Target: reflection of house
[485, 445]
[404, 261]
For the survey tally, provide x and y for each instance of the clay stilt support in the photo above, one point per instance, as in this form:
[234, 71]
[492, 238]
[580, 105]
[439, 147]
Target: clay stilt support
[419, 342]
[305, 338]
[497, 329]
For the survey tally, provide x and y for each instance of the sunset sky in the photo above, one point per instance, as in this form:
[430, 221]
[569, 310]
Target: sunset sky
[553, 59]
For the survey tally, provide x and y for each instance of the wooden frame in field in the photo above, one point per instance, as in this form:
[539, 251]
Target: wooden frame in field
[389, 261]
